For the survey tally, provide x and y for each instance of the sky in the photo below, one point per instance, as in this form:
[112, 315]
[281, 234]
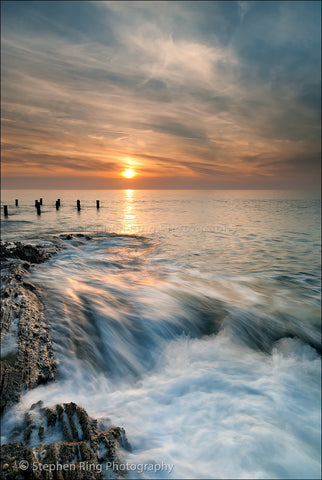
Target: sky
[216, 94]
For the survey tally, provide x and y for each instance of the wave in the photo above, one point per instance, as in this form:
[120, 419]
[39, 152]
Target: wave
[199, 370]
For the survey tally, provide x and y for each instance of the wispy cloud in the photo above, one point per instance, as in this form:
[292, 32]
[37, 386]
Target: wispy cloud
[175, 88]
[244, 6]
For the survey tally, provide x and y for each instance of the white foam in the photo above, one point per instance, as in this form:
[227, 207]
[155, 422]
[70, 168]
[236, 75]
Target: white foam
[9, 342]
[132, 350]
[214, 409]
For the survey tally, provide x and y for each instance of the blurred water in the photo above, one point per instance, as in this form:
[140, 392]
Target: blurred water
[196, 325]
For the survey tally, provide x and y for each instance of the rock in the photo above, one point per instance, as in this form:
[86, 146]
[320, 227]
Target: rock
[41, 430]
[29, 358]
[79, 441]
[66, 236]
[28, 362]
[51, 417]
[30, 253]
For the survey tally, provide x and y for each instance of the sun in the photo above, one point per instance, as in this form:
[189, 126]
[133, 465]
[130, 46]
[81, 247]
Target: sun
[128, 173]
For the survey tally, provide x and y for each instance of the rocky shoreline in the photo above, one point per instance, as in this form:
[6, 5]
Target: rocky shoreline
[27, 357]
[27, 360]
[88, 450]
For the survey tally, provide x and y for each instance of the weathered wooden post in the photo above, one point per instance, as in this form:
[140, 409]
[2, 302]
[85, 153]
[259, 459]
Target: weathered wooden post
[40, 201]
[78, 205]
[5, 210]
[16, 202]
[38, 208]
[97, 204]
[57, 205]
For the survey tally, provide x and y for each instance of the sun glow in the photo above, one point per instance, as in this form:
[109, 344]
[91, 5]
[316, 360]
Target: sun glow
[128, 173]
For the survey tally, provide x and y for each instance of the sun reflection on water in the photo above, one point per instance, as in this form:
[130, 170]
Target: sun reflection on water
[129, 215]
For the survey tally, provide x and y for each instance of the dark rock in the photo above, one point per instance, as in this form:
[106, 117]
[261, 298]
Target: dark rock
[51, 417]
[37, 404]
[99, 448]
[22, 317]
[32, 363]
[29, 253]
[41, 432]
[29, 286]
[66, 236]
[28, 427]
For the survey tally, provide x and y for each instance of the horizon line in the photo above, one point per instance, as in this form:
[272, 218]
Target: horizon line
[170, 189]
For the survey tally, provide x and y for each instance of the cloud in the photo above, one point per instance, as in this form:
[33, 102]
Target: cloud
[244, 6]
[173, 86]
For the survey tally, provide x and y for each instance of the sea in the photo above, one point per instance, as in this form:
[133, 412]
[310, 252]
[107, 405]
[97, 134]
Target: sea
[191, 318]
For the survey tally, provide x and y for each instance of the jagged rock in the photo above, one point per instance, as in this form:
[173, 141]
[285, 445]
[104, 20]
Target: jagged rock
[69, 236]
[66, 236]
[72, 437]
[51, 417]
[27, 357]
[30, 253]
[88, 451]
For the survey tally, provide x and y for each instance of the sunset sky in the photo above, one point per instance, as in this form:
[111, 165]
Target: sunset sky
[181, 94]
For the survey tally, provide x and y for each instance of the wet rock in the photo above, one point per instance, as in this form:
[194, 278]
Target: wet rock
[28, 427]
[29, 253]
[41, 430]
[22, 456]
[27, 359]
[87, 452]
[66, 236]
[72, 436]
[51, 417]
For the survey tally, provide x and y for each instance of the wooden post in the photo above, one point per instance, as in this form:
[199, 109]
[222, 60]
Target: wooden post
[38, 209]
[97, 204]
[78, 205]
[5, 210]
[58, 200]
[16, 202]
[36, 203]
[57, 205]
[40, 201]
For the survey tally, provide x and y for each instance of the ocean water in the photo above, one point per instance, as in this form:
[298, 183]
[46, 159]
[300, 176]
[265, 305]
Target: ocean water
[191, 318]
